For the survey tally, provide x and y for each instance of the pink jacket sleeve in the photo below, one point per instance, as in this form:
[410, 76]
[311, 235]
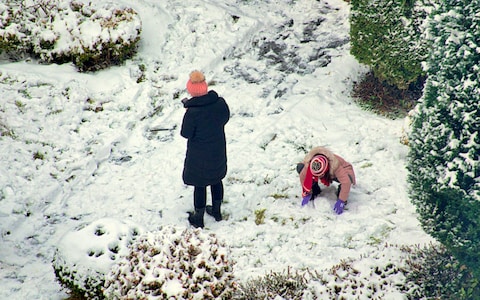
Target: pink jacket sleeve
[345, 176]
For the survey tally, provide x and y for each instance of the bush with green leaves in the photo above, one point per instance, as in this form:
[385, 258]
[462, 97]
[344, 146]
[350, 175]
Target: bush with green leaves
[386, 35]
[59, 31]
[443, 163]
[173, 264]
[433, 273]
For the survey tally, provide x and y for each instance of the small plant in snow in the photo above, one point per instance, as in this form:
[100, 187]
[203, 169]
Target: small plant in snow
[288, 285]
[84, 256]
[260, 216]
[173, 263]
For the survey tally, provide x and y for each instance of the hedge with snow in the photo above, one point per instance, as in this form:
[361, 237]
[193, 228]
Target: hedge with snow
[59, 31]
[113, 259]
[85, 255]
[173, 263]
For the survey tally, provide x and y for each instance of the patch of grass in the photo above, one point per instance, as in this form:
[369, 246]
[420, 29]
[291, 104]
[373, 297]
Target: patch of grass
[5, 131]
[55, 112]
[377, 96]
[379, 237]
[238, 180]
[366, 165]
[279, 196]
[38, 155]
[267, 180]
[20, 105]
[25, 93]
[142, 69]
[260, 216]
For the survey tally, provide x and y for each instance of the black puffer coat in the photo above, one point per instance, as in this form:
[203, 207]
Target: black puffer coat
[203, 125]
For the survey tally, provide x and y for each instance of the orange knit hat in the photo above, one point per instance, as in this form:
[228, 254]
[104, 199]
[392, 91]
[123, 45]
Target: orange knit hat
[196, 85]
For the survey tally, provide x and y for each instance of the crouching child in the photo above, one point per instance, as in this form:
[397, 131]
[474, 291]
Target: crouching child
[320, 164]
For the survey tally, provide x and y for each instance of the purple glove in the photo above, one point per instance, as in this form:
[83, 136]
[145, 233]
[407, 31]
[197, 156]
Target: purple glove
[339, 205]
[306, 199]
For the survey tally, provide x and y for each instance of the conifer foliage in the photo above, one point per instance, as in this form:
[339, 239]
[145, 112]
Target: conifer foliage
[386, 35]
[443, 163]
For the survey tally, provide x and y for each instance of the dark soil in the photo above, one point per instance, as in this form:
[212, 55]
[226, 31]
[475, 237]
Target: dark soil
[384, 99]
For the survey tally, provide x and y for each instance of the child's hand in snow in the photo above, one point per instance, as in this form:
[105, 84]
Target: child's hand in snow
[339, 205]
[306, 199]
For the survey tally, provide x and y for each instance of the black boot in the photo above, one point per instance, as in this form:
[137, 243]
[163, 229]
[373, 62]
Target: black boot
[300, 167]
[214, 210]
[316, 190]
[196, 218]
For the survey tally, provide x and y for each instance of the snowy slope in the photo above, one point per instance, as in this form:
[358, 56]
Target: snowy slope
[111, 148]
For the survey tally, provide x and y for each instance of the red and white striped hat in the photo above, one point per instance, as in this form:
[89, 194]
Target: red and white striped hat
[319, 165]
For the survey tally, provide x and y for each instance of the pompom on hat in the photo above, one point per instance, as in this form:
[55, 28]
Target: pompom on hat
[319, 165]
[196, 84]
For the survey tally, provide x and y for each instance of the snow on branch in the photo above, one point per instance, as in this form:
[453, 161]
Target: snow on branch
[91, 37]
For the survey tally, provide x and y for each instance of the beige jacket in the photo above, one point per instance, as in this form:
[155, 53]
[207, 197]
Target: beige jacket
[340, 170]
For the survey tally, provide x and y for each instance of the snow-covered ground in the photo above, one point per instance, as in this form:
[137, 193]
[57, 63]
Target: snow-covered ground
[101, 145]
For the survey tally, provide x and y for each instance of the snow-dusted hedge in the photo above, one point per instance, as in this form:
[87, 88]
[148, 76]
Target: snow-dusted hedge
[369, 277]
[388, 37]
[59, 31]
[391, 272]
[433, 273]
[182, 264]
[85, 255]
[443, 162]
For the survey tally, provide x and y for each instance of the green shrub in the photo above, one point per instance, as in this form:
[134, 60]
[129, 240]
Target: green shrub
[443, 163]
[436, 274]
[173, 264]
[85, 255]
[386, 36]
[60, 31]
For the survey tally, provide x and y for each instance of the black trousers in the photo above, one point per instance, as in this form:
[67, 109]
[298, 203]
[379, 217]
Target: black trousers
[200, 195]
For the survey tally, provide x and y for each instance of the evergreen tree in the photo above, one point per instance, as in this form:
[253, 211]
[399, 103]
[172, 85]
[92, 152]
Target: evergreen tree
[386, 35]
[443, 163]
